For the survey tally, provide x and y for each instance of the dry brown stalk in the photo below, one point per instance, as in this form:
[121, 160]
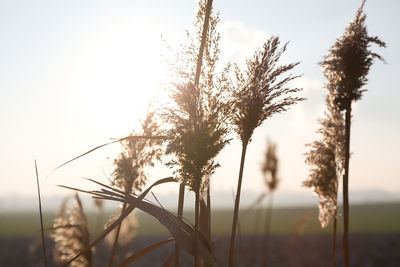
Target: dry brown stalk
[346, 68]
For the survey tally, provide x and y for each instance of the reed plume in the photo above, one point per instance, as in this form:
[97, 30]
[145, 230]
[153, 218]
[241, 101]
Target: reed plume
[346, 67]
[326, 158]
[129, 172]
[258, 93]
[270, 167]
[71, 234]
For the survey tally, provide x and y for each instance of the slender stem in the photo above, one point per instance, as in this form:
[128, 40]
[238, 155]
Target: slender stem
[346, 187]
[334, 241]
[267, 228]
[41, 217]
[236, 210]
[335, 229]
[209, 213]
[180, 213]
[115, 244]
[196, 83]
[196, 226]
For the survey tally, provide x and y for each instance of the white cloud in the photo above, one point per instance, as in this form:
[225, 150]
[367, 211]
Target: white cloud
[238, 42]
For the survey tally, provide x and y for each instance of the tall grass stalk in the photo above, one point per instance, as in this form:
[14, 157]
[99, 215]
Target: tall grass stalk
[198, 119]
[41, 217]
[258, 94]
[347, 66]
[196, 85]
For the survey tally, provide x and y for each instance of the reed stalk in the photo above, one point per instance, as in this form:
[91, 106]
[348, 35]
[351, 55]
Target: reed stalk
[346, 67]
[258, 94]
[180, 215]
[41, 217]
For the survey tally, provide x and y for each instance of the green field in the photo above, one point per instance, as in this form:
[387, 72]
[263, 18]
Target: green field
[367, 218]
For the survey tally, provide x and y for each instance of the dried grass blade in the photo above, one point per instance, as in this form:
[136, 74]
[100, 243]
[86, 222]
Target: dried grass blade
[144, 251]
[106, 144]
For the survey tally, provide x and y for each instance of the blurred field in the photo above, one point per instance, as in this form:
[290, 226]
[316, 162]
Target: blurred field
[365, 219]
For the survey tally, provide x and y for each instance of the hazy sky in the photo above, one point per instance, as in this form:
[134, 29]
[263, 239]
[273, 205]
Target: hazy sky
[75, 73]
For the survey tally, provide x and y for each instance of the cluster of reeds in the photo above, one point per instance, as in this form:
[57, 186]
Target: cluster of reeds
[205, 108]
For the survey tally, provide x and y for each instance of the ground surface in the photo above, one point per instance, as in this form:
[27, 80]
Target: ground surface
[380, 250]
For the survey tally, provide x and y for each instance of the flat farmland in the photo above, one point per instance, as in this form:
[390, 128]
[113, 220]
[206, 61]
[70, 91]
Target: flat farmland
[296, 238]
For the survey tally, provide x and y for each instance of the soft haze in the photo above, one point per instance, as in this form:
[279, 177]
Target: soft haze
[74, 74]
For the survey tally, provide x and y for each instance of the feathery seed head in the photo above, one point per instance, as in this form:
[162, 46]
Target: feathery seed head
[348, 63]
[129, 173]
[326, 159]
[198, 115]
[259, 93]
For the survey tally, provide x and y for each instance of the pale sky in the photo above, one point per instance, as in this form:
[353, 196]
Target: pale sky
[74, 74]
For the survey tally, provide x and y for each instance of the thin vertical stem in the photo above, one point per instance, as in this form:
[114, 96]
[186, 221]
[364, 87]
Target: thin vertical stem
[196, 226]
[196, 84]
[180, 213]
[115, 244]
[41, 217]
[334, 241]
[346, 187]
[267, 228]
[209, 213]
[236, 210]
